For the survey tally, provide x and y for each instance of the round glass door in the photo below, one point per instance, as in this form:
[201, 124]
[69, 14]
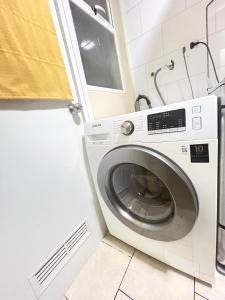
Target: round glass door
[142, 193]
[148, 192]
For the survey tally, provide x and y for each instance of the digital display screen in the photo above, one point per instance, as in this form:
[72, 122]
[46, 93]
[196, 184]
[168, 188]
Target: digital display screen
[163, 122]
[199, 153]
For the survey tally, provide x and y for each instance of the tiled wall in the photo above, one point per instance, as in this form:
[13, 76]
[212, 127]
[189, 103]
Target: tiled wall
[156, 31]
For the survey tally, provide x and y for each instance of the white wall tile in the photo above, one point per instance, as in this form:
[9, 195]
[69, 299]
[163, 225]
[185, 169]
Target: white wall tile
[220, 14]
[192, 2]
[133, 23]
[220, 48]
[128, 4]
[200, 85]
[178, 91]
[156, 12]
[167, 76]
[197, 60]
[168, 25]
[151, 68]
[146, 48]
[185, 27]
[140, 78]
[221, 72]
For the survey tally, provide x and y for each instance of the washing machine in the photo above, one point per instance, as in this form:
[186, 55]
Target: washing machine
[155, 174]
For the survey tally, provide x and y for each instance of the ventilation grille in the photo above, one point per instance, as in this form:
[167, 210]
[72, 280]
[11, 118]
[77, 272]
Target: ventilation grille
[49, 269]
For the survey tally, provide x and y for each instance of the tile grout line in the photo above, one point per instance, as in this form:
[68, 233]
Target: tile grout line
[124, 274]
[201, 296]
[126, 269]
[116, 294]
[125, 294]
[194, 288]
[116, 248]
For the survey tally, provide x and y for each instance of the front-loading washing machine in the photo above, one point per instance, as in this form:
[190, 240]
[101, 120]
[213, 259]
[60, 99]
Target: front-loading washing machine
[155, 173]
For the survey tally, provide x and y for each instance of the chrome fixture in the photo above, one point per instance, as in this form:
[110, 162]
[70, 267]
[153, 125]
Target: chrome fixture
[75, 108]
[219, 85]
[169, 67]
[97, 8]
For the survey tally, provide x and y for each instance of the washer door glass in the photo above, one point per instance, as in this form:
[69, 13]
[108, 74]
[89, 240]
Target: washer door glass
[142, 193]
[148, 192]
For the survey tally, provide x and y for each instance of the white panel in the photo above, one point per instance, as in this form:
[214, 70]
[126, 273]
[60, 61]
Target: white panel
[208, 131]
[43, 179]
[57, 260]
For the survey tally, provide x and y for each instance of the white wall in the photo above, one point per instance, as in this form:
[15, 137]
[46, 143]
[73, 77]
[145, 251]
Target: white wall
[44, 194]
[156, 31]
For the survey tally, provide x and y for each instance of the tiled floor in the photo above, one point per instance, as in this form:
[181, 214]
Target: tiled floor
[116, 271]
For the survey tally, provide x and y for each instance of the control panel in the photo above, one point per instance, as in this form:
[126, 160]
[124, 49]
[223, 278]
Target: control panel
[169, 121]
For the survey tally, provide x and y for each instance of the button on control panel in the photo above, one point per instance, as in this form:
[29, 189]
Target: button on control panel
[196, 109]
[127, 127]
[197, 123]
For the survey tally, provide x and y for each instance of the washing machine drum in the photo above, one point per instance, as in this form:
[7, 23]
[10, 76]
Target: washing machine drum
[148, 192]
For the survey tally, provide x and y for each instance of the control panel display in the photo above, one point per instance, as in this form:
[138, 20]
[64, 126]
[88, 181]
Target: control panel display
[199, 153]
[169, 121]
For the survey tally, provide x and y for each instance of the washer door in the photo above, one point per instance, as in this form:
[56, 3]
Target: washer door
[148, 192]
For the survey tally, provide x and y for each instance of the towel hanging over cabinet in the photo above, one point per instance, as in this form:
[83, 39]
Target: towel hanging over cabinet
[31, 65]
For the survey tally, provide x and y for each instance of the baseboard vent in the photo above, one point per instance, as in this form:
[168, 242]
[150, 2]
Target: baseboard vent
[53, 265]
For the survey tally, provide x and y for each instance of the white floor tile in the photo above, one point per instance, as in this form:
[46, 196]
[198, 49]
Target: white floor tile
[101, 276]
[118, 244]
[214, 292]
[147, 278]
[121, 296]
[198, 297]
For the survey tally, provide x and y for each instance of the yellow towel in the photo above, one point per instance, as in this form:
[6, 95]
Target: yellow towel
[31, 65]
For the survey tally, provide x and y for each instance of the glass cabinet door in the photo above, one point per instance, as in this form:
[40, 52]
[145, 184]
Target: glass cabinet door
[97, 49]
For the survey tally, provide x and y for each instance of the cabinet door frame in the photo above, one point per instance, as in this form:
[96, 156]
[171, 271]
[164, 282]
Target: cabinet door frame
[71, 55]
[68, 41]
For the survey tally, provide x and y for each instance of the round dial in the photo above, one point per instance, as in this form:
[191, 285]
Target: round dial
[127, 127]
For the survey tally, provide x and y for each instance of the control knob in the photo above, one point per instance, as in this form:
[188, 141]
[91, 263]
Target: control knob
[127, 127]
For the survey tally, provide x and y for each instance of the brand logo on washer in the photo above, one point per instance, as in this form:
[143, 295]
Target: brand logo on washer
[184, 149]
[97, 125]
